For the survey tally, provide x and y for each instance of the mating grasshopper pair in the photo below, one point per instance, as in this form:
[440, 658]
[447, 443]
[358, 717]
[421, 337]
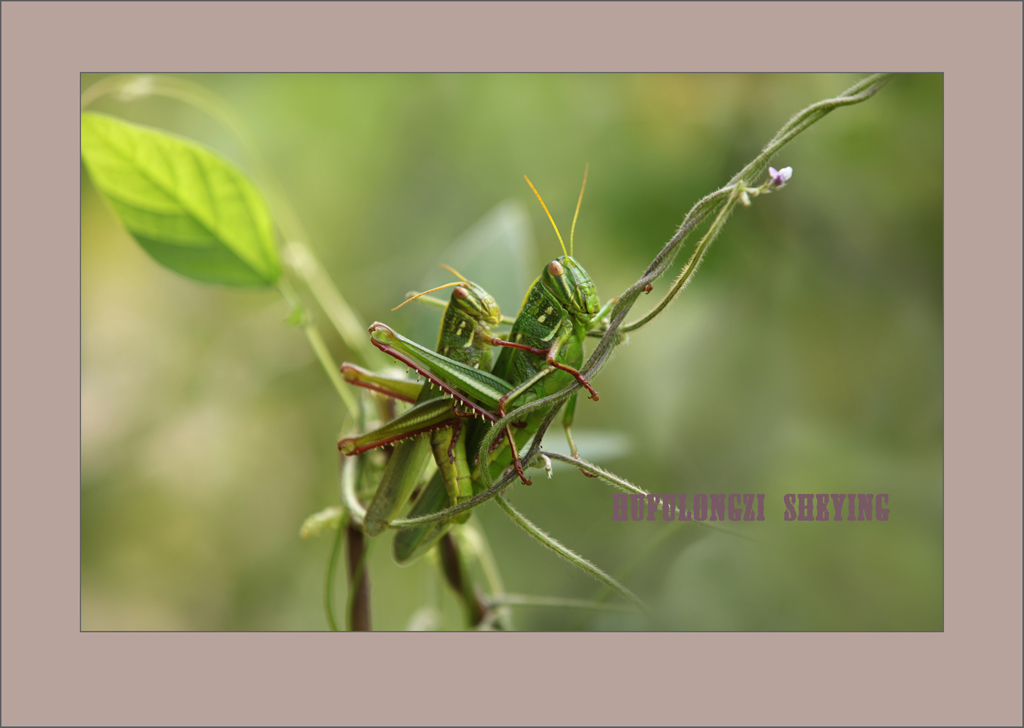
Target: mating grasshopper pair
[541, 356]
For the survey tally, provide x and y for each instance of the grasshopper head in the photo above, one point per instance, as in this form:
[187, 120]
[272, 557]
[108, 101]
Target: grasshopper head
[476, 303]
[572, 286]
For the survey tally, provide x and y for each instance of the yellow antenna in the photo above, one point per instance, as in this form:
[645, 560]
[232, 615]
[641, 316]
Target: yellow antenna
[549, 214]
[452, 270]
[413, 298]
[571, 232]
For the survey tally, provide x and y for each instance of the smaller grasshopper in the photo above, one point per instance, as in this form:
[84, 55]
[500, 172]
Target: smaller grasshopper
[464, 337]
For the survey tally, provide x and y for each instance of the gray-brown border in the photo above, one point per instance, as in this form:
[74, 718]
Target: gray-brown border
[969, 674]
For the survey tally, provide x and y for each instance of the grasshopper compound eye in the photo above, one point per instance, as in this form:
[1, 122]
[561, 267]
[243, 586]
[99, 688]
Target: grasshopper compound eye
[555, 268]
[460, 293]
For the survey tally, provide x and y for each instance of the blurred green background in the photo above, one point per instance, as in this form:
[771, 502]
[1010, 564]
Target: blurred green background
[805, 357]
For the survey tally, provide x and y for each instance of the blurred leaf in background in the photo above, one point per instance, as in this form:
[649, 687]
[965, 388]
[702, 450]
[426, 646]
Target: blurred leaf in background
[806, 356]
[496, 252]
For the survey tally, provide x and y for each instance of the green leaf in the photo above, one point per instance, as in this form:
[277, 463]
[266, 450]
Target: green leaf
[193, 211]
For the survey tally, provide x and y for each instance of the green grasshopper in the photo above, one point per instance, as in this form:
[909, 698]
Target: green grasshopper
[465, 337]
[542, 357]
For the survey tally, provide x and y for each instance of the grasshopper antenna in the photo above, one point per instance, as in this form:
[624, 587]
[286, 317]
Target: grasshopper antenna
[413, 298]
[452, 270]
[549, 214]
[578, 203]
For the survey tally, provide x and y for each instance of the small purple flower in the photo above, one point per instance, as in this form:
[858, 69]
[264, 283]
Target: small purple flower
[780, 176]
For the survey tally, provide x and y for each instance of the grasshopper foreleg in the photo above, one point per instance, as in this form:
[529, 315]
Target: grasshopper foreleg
[549, 357]
[516, 463]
